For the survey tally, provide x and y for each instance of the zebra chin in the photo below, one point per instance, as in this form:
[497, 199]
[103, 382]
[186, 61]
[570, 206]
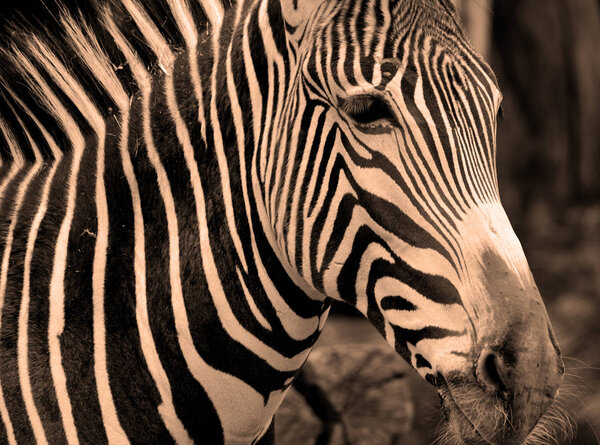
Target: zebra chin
[473, 416]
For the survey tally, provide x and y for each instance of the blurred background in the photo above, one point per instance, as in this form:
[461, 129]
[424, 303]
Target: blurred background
[546, 55]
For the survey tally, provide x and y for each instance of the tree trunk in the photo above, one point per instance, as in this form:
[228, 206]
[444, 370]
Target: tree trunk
[476, 18]
[545, 53]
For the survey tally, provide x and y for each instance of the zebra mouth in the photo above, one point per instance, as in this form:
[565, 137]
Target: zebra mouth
[459, 426]
[462, 428]
[475, 417]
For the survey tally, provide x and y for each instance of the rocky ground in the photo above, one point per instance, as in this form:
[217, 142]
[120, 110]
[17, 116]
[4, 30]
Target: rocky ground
[362, 393]
[377, 398]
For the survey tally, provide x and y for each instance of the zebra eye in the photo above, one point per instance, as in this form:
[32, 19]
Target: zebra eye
[365, 109]
[500, 113]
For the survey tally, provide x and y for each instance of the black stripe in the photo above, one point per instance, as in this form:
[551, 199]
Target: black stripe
[405, 336]
[76, 342]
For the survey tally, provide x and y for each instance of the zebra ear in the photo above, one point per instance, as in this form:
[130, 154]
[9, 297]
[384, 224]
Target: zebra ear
[297, 12]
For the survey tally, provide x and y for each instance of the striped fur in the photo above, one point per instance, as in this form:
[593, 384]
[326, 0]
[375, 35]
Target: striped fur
[185, 186]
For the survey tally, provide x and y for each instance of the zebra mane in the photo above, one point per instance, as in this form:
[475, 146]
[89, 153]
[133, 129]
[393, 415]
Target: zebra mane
[66, 72]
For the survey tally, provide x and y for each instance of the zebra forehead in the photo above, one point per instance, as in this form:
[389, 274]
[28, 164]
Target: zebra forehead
[358, 23]
[426, 14]
[380, 30]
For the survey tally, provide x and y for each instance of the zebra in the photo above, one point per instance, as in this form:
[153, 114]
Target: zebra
[185, 186]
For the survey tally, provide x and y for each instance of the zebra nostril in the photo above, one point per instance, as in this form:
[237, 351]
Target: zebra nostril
[492, 371]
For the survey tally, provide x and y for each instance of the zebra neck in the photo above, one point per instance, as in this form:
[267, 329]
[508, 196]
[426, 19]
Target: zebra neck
[225, 256]
[236, 97]
[241, 274]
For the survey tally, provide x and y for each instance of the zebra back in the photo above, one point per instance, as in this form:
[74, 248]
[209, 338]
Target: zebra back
[65, 59]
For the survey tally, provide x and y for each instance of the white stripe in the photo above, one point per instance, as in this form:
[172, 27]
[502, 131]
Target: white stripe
[214, 11]
[23, 341]
[56, 323]
[223, 162]
[254, 90]
[341, 70]
[153, 37]
[114, 431]
[357, 67]
[14, 170]
[383, 32]
[236, 112]
[16, 166]
[269, 119]
[329, 66]
[369, 28]
[252, 304]
[186, 23]
[17, 160]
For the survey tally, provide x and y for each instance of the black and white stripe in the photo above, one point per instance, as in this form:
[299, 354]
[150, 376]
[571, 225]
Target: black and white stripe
[184, 185]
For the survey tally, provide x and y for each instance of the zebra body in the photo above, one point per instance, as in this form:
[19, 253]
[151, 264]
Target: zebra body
[122, 280]
[172, 236]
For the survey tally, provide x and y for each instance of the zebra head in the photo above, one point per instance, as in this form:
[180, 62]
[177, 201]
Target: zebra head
[381, 190]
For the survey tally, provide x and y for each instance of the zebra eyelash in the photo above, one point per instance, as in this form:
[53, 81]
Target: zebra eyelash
[366, 110]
